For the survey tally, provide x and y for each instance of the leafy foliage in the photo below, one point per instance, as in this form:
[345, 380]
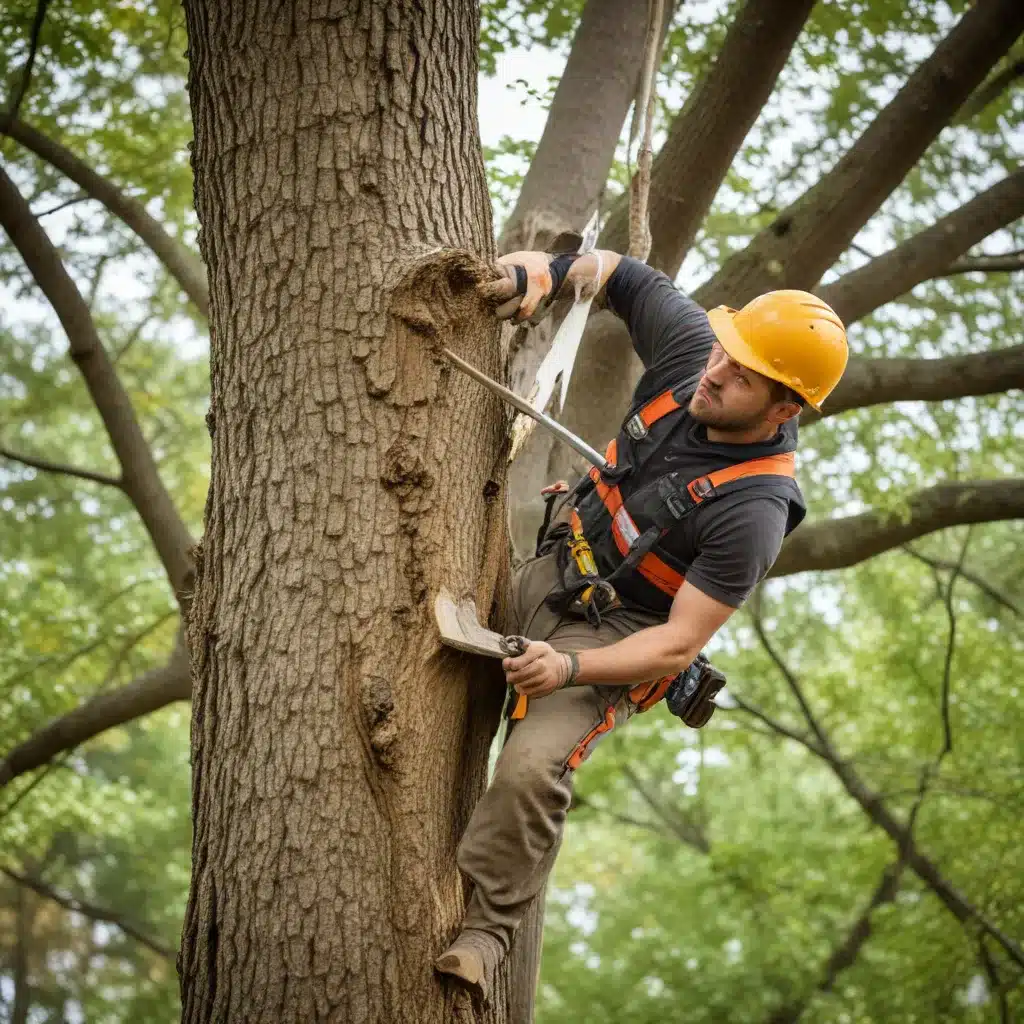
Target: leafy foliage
[704, 875]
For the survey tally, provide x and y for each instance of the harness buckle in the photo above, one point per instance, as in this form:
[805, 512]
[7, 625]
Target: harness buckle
[636, 428]
[702, 488]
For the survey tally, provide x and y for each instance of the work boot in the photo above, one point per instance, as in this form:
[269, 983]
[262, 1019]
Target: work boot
[471, 960]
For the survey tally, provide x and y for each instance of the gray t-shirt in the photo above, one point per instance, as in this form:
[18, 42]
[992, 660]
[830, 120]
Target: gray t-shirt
[731, 543]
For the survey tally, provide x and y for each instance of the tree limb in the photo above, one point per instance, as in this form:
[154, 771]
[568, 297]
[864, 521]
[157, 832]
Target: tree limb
[870, 382]
[875, 808]
[996, 263]
[59, 467]
[26, 74]
[706, 134]
[934, 252]
[89, 910]
[140, 478]
[838, 543]
[808, 236]
[979, 581]
[989, 91]
[183, 265]
[152, 690]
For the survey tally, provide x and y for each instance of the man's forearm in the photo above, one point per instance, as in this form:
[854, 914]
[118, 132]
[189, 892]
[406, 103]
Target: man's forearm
[647, 654]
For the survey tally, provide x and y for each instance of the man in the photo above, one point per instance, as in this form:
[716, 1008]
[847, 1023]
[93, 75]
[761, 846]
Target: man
[701, 486]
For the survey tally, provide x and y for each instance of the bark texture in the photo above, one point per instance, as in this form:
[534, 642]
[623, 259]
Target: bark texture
[807, 237]
[570, 167]
[337, 748]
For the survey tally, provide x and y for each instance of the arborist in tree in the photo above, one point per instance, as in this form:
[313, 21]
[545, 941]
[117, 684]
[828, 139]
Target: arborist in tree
[640, 564]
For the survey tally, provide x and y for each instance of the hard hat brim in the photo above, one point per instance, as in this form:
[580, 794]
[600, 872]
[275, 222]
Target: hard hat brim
[721, 320]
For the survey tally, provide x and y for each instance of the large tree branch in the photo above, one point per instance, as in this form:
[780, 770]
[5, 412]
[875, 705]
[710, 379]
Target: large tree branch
[140, 478]
[901, 834]
[933, 252]
[150, 692]
[706, 134]
[807, 237]
[568, 172]
[59, 467]
[89, 910]
[182, 264]
[837, 543]
[877, 381]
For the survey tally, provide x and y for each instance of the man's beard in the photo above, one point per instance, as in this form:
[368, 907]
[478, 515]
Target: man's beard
[713, 415]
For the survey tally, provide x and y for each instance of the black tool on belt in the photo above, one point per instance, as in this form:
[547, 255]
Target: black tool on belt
[691, 695]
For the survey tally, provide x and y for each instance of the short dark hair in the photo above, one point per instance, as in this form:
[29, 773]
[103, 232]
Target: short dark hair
[781, 393]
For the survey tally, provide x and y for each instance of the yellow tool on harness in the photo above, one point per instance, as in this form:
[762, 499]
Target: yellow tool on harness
[597, 596]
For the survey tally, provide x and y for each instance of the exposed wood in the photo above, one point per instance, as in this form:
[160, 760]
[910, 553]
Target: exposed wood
[459, 627]
[182, 264]
[807, 237]
[140, 478]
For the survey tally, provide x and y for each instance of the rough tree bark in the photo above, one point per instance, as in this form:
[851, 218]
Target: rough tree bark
[337, 749]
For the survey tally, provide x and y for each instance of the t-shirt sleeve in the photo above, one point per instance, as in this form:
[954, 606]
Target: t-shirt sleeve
[737, 547]
[670, 332]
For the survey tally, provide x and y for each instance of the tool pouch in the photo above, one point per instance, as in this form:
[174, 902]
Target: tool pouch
[691, 696]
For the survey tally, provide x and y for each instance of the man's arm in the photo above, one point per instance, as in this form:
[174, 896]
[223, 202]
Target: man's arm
[647, 654]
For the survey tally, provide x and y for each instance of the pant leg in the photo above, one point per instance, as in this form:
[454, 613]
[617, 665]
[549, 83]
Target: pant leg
[513, 836]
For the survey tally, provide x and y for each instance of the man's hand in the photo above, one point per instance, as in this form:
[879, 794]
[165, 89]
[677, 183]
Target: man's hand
[503, 291]
[538, 672]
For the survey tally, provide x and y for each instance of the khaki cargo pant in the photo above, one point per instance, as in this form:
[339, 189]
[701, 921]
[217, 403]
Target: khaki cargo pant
[513, 836]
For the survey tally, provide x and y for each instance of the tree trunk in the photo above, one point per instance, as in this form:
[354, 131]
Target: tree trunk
[337, 749]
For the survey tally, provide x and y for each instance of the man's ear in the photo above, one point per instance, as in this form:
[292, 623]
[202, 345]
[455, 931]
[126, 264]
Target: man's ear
[783, 412]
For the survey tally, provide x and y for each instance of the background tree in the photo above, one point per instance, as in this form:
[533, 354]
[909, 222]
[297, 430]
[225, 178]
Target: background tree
[811, 854]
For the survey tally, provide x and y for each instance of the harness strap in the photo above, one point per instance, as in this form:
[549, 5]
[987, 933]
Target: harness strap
[627, 534]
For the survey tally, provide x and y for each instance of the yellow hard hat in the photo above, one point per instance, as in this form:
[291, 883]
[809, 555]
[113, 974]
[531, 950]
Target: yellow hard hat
[790, 336]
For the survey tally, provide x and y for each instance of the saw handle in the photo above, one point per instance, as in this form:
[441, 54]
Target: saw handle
[513, 647]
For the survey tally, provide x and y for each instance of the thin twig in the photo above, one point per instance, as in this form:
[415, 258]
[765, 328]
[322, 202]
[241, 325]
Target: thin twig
[777, 727]
[640, 185]
[74, 200]
[58, 467]
[685, 831]
[579, 801]
[89, 910]
[995, 982]
[26, 75]
[982, 584]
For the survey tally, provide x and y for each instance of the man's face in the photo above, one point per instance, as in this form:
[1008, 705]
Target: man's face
[732, 398]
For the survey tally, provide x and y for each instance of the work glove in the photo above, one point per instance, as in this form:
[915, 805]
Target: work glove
[522, 292]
